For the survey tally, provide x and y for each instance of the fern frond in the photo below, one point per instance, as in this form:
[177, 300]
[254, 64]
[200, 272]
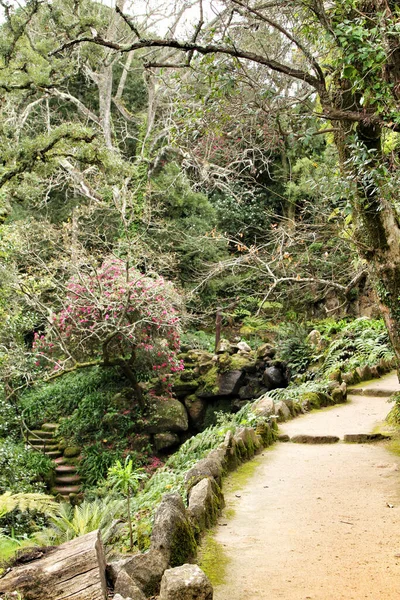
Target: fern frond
[27, 501]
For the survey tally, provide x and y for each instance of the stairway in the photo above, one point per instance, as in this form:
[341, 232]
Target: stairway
[67, 479]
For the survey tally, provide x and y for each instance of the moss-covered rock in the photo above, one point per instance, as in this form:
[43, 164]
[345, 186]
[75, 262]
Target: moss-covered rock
[72, 451]
[196, 408]
[172, 531]
[167, 415]
[310, 400]
[182, 387]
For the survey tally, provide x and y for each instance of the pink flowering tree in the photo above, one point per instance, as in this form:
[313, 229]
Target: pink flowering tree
[114, 316]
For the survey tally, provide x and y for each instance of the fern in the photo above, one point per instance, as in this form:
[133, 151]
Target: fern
[27, 501]
[73, 521]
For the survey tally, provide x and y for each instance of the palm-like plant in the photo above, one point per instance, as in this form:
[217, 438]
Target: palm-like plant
[125, 479]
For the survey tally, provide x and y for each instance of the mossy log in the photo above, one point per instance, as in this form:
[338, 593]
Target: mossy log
[75, 570]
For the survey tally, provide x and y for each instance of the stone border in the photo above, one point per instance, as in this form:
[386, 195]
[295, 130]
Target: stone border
[177, 529]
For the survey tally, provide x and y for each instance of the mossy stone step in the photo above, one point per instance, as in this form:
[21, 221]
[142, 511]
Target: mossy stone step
[67, 489]
[67, 479]
[315, 439]
[60, 468]
[53, 454]
[48, 443]
[40, 433]
[375, 393]
[50, 426]
[363, 438]
[46, 448]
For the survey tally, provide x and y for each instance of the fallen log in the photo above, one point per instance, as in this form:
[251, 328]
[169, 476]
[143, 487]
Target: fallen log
[74, 571]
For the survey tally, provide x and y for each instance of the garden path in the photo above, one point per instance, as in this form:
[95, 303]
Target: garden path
[318, 522]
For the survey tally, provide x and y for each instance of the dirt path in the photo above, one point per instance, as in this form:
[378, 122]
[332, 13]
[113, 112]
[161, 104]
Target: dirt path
[315, 522]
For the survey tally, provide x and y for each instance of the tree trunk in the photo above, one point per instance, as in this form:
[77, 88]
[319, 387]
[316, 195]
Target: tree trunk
[75, 570]
[377, 226]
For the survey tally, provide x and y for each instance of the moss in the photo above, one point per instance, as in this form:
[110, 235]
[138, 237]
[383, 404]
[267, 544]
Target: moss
[209, 381]
[213, 560]
[183, 544]
[240, 362]
[266, 432]
[238, 479]
[143, 534]
[224, 363]
[311, 399]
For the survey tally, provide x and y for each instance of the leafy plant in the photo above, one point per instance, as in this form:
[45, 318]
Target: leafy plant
[28, 501]
[361, 342]
[123, 478]
[21, 469]
[294, 347]
[74, 521]
[96, 460]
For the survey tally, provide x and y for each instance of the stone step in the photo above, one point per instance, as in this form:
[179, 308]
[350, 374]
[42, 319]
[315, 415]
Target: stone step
[60, 461]
[64, 490]
[362, 438]
[40, 433]
[48, 443]
[53, 454]
[60, 468]
[314, 439]
[46, 448]
[377, 393]
[67, 479]
[50, 426]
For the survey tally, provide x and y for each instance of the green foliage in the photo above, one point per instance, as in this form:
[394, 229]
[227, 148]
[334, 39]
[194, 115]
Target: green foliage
[170, 477]
[74, 521]
[27, 502]
[294, 347]
[361, 342]
[124, 478]
[394, 415]
[201, 340]
[296, 391]
[96, 460]
[23, 470]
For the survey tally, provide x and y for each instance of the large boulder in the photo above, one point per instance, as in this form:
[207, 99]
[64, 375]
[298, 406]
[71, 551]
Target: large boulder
[264, 406]
[229, 383]
[205, 503]
[168, 415]
[196, 408]
[127, 587]
[187, 582]
[282, 411]
[165, 441]
[182, 387]
[247, 442]
[216, 384]
[145, 570]
[172, 532]
[275, 377]
[252, 389]
[211, 466]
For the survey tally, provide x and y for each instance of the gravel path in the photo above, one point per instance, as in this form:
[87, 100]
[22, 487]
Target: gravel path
[318, 522]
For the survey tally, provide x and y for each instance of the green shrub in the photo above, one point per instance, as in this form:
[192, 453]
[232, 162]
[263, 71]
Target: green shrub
[21, 469]
[394, 415]
[294, 347]
[96, 460]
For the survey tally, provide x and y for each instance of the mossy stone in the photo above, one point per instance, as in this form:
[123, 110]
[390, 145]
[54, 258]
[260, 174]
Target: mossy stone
[310, 400]
[72, 451]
